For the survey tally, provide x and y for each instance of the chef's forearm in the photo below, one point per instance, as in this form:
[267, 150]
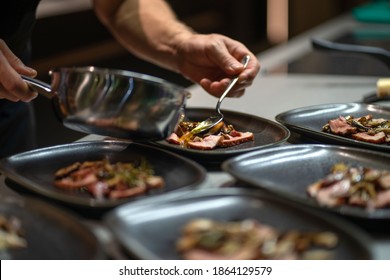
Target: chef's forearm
[147, 28]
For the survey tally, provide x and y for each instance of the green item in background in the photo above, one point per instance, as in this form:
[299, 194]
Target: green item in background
[375, 11]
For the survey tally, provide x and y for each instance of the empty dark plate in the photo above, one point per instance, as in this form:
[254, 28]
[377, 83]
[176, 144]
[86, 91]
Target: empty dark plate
[150, 231]
[287, 171]
[34, 170]
[309, 121]
[267, 133]
[51, 233]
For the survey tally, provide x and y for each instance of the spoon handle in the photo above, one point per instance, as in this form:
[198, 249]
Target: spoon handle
[245, 62]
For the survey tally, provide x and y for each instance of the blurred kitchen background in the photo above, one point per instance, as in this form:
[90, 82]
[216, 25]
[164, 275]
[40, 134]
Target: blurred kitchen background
[67, 33]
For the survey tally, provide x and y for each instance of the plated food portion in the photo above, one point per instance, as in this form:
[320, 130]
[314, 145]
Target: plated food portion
[220, 136]
[101, 174]
[207, 239]
[353, 124]
[206, 224]
[359, 186]
[366, 128]
[349, 181]
[34, 230]
[241, 133]
[103, 179]
[12, 235]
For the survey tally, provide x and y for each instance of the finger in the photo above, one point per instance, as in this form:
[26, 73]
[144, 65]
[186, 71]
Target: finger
[8, 95]
[206, 85]
[15, 98]
[220, 55]
[216, 88]
[237, 93]
[12, 86]
[15, 62]
[250, 72]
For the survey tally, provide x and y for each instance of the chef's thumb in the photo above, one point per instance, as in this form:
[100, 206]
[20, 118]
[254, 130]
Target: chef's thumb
[232, 66]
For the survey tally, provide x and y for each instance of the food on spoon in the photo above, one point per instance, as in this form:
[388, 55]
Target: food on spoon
[103, 179]
[366, 128]
[220, 136]
[355, 186]
[206, 239]
[11, 233]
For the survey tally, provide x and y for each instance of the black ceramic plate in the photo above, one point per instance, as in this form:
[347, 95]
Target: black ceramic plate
[51, 233]
[267, 133]
[287, 171]
[35, 170]
[309, 121]
[136, 225]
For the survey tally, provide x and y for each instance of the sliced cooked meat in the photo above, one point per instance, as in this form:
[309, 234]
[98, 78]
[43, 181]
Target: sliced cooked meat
[236, 138]
[313, 189]
[341, 127]
[98, 189]
[380, 201]
[327, 197]
[113, 180]
[71, 183]
[154, 182]
[208, 143]
[355, 186]
[174, 139]
[221, 135]
[378, 138]
[357, 200]
[115, 194]
[384, 181]
[366, 129]
[205, 239]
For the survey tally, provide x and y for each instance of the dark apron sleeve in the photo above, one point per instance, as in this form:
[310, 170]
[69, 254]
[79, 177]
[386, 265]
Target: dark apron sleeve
[17, 119]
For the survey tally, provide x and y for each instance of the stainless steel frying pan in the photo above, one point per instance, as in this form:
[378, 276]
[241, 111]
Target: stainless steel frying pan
[114, 103]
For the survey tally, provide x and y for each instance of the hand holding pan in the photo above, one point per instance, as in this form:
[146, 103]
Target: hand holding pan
[113, 103]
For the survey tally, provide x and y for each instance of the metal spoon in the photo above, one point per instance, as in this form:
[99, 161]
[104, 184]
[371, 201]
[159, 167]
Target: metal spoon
[216, 119]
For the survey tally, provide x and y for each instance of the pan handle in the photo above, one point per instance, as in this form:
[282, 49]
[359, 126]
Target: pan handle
[379, 53]
[39, 86]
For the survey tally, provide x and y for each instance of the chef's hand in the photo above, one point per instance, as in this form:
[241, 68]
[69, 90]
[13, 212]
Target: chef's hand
[12, 87]
[213, 59]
